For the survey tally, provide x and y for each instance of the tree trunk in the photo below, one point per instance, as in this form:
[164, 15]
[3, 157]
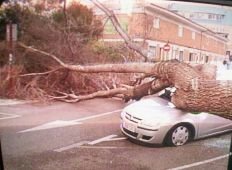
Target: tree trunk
[195, 90]
[209, 96]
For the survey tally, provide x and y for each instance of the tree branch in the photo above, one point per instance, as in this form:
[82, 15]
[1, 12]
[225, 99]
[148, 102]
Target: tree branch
[39, 74]
[116, 68]
[43, 53]
[108, 93]
[119, 29]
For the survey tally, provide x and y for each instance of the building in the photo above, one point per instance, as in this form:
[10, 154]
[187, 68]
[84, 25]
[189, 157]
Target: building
[165, 34]
[214, 17]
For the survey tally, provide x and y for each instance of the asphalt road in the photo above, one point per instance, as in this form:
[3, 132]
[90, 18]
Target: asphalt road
[86, 136]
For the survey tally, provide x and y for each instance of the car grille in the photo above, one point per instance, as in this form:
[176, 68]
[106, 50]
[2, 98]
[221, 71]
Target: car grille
[132, 118]
[130, 133]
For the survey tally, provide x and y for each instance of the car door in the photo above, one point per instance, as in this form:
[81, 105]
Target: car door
[209, 124]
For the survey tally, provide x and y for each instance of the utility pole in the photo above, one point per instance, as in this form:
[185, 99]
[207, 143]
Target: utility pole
[11, 38]
[65, 15]
[1, 156]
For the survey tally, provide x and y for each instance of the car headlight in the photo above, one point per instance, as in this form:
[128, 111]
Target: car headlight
[155, 123]
[122, 114]
[150, 123]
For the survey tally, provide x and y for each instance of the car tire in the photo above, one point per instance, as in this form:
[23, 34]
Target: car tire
[178, 135]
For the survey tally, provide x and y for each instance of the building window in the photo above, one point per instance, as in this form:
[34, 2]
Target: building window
[216, 17]
[202, 58]
[175, 54]
[193, 35]
[211, 16]
[191, 57]
[156, 23]
[230, 58]
[151, 52]
[206, 59]
[180, 31]
[181, 55]
[192, 15]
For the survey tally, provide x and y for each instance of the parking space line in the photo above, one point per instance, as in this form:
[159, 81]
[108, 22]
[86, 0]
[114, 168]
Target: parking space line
[9, 116]
[101, 139]
[79, 145]
[115, 139]
[75, 145]
[101, 147]
[200, 163]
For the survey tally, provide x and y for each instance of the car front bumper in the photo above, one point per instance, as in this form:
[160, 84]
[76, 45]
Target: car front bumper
[151, 136]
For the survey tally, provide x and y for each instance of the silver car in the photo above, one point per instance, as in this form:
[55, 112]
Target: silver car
[157, 121]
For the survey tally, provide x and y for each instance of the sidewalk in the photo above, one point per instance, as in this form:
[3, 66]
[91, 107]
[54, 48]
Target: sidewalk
[7, 102]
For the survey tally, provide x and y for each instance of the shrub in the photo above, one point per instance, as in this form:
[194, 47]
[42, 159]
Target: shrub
[79, 19]
[16, 14]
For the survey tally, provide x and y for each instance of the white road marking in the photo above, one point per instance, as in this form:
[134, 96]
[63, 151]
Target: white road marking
[9, 102]
[62, 123]
[115, 139]
[75, 145]
[101, 139]
[79, 145]
[96, 116]
[201, 162]
[50, 125]
[8, 116]
[101, 147]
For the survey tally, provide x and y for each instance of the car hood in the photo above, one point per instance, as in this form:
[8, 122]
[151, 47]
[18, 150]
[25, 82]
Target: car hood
[150, 109]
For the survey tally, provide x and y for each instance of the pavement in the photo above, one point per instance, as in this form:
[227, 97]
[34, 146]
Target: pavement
[86, 136]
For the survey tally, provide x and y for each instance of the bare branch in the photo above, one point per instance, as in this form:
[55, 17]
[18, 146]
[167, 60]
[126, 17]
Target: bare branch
[119, 29]
[74, 98]
[125, 91]
[116, 68]
[43, 53]
[39, 74]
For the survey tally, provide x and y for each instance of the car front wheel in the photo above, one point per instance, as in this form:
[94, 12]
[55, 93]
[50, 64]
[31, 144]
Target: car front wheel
[178, 136]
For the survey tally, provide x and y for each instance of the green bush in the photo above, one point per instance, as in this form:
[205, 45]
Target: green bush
[80, 19]
[111, 53]
[15, 14]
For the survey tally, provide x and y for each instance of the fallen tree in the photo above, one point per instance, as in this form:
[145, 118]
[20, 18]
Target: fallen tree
[195, 91]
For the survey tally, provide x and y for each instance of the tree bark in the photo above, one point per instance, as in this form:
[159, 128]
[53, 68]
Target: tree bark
[209, 96]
